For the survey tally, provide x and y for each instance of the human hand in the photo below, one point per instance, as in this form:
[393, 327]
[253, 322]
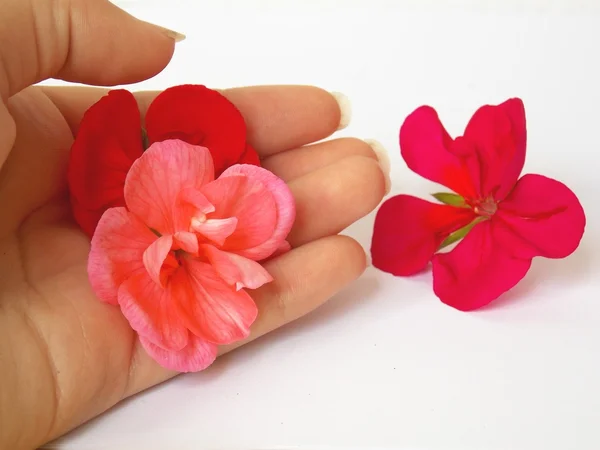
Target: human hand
[65, 356]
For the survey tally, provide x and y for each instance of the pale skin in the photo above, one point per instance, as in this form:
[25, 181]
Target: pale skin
[65, 357]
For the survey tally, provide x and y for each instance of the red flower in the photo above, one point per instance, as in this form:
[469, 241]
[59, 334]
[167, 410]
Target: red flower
[503, 221]
[111, 138]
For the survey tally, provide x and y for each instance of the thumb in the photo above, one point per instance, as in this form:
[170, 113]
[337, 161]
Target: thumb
[85, 41]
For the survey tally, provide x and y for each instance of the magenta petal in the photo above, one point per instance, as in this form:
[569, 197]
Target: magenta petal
[496, 137]
[284, 204]
[540, 217]
[408, 231]
[117, 250]
[425, 146]
[197, 355]
[151, 311]
[211, 308]
[477, 271]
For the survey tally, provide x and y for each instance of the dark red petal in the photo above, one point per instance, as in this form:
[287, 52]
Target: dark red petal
[494, 146]
[540, 217]
[199, 116]
[250, 156]
[409, 230]
[108, 142]
[477, 271]
[85, 218]
[425, 146]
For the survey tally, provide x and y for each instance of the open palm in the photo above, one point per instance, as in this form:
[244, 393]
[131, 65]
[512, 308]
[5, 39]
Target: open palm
[65, 356]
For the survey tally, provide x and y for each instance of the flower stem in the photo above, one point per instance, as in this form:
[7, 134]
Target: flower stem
[145, 141]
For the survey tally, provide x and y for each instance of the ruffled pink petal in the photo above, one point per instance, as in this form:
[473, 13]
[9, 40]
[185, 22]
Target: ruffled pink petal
[284, 203]
[195, 200]
[477, 271]
[216, 230]
[186, 241]
[117, 252]
[197, 355]
[155, 257]
[494, 146]
[540, 217]
[409, 230]
[212, 309]
[250, 202]
[156, 179]
[151, 311]
[425, 146]
[284, 247]
[236, 270]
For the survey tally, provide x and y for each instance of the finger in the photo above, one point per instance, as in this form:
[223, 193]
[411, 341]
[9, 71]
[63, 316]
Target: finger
[284, 117]
[301, 161]
[330, 199]
[92, 42]
[278, 118]
[304, 279]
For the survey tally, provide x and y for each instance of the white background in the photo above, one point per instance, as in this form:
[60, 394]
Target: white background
[385, 364]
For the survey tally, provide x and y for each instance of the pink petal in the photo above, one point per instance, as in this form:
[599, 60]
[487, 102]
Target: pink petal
[425, 146]
[186, 241]
[477, 271]
[117, 252]
[494, 147]
[156, 179]
[409, 230]
[250, 203]
[210, 307]
[236, 270]
[216, 230]
[151, 311]
[155, 257]
[540, 217]
[195, 200]
[284, 247]
[197, 355]
[284, 203]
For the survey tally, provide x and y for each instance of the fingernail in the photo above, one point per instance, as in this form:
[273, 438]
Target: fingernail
[368, 259]
[177, 37]
[384, 161]
[345, 109]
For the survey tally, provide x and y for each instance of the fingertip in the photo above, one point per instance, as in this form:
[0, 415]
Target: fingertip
[108, 46]
[356, 253]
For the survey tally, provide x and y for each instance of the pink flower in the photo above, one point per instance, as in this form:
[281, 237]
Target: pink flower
[177, 258]
[504, 221]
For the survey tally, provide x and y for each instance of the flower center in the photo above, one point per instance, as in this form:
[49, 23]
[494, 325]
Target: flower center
[486, 208]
